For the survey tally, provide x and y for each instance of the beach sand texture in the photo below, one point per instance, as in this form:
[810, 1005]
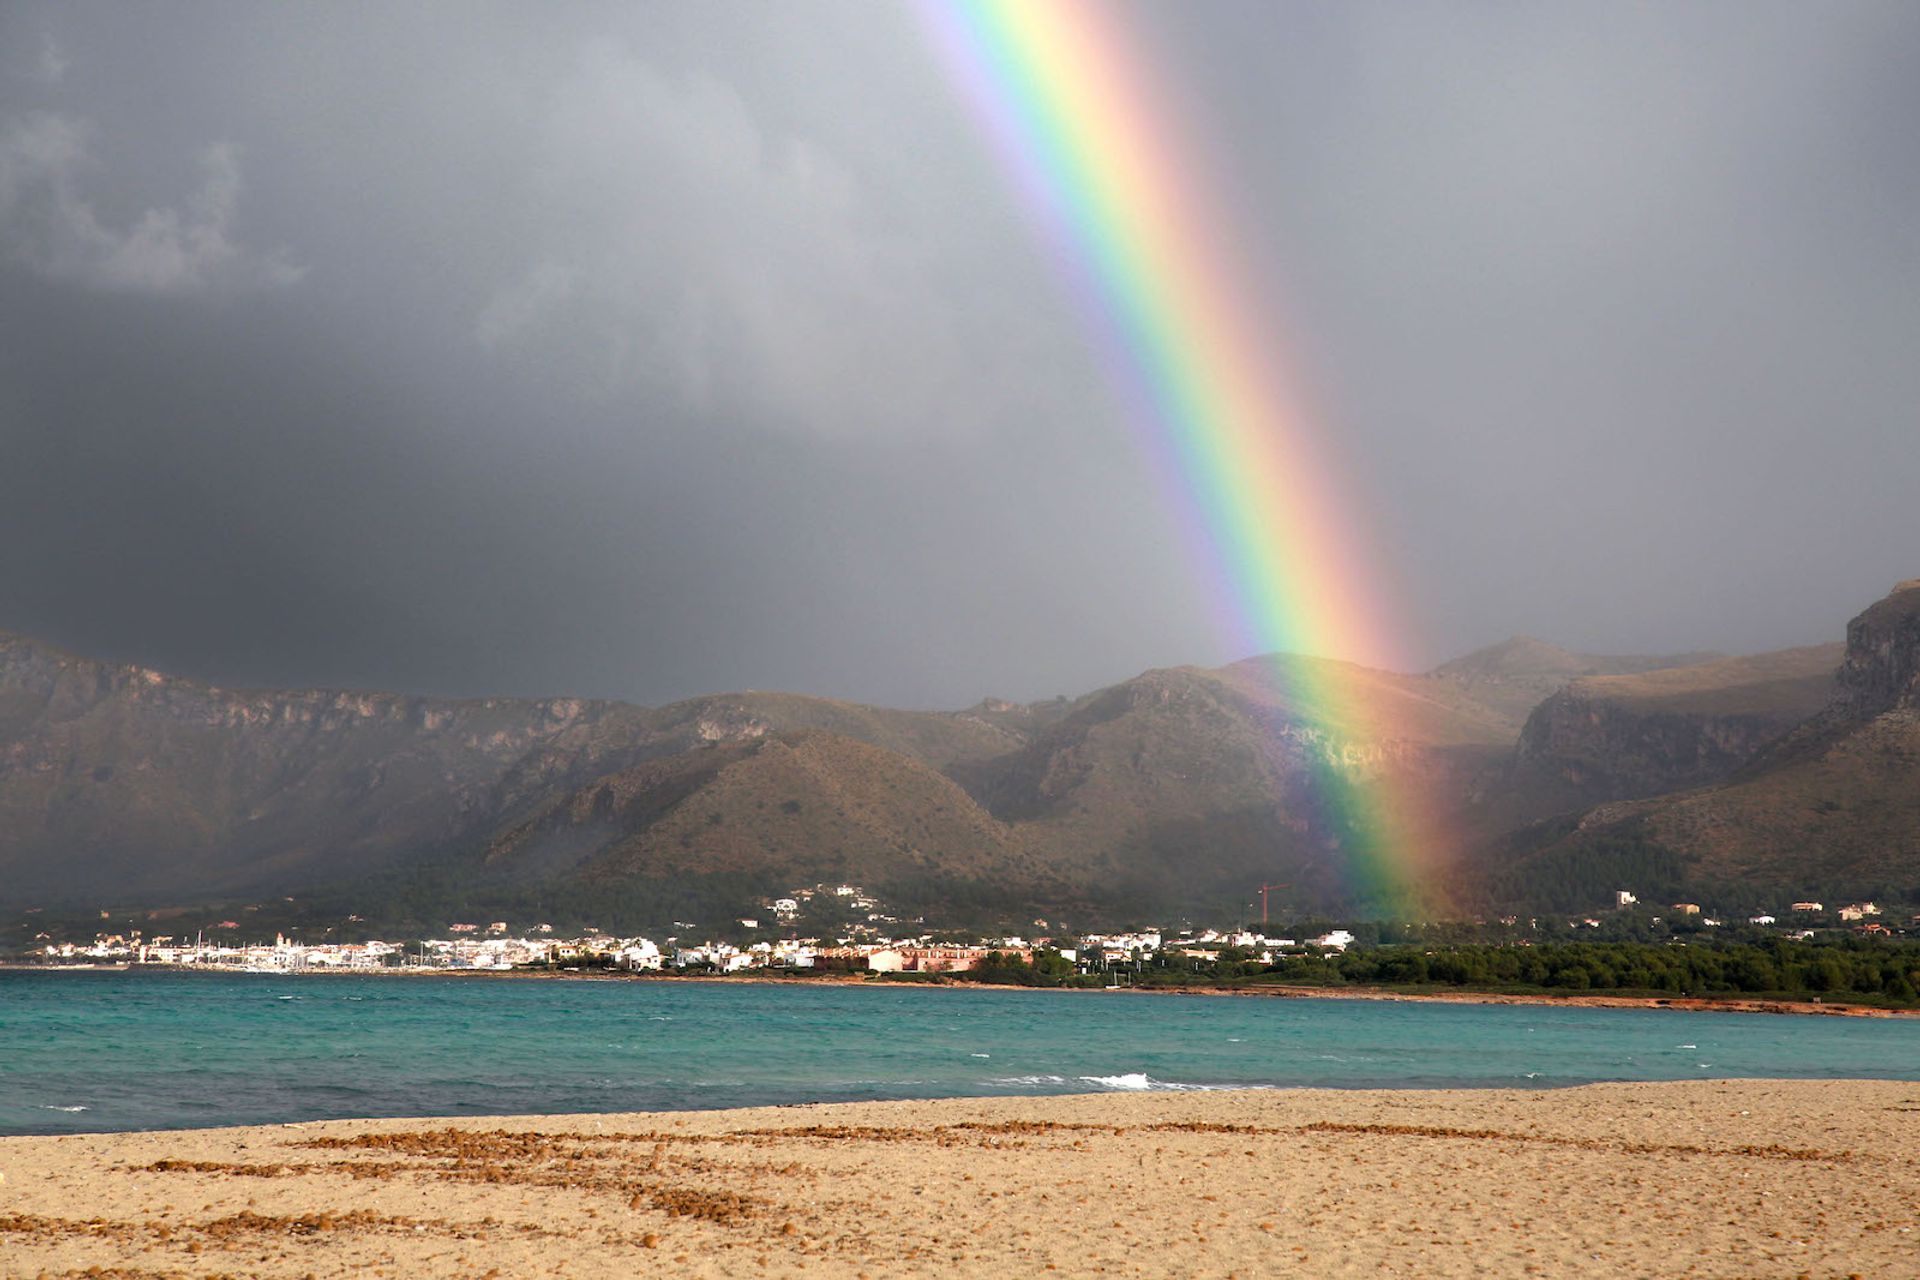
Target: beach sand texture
[1714, 1178]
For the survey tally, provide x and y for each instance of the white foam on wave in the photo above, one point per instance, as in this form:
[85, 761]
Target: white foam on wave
[1126, 1082]
[66, 1109]
[979, 1055]
[1140, 1081]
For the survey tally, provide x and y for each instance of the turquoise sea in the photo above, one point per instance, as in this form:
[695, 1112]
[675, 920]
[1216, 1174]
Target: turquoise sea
[103, 1050]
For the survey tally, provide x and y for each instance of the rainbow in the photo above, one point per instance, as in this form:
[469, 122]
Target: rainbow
[1091, 140]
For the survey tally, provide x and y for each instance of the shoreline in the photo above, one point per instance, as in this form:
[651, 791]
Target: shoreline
[1683, 1004]
[1706, 1178]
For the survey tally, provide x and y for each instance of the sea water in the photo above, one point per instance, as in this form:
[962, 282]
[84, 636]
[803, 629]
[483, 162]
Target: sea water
[96, 1051]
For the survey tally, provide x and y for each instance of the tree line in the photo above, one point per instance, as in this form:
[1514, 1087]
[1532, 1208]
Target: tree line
[1878, 971]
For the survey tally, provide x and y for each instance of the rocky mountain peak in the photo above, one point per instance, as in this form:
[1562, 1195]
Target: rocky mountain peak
[1882, 667]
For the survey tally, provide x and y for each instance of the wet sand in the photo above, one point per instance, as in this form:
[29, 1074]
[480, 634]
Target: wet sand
[1715, 1178]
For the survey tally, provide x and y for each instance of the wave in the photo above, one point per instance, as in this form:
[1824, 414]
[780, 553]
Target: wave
[1140, 1081]
[66, 1109]
[1126, 1082]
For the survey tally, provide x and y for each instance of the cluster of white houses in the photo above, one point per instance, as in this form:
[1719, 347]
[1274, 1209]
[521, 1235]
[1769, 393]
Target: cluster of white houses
[475, 946]
[1859, 914]
[1852, 911]
[490, 948]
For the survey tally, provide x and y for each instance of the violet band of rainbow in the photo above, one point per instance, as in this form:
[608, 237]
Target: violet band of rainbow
[1092, 141]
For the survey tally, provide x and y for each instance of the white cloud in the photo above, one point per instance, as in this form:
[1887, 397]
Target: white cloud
[48, 225]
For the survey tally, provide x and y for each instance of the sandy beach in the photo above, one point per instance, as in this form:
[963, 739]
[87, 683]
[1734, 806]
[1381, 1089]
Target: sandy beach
[1717, 1178]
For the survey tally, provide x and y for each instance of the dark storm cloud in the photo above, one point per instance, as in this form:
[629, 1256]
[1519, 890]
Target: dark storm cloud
[646, 351]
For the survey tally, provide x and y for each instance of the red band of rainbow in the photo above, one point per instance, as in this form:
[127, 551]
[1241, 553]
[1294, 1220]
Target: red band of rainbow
[1090, 138]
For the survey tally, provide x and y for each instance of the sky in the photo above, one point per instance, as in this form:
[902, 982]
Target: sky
[647, 350]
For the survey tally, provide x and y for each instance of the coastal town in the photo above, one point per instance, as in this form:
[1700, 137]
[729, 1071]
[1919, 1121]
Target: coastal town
[865, 939]
[493, 947]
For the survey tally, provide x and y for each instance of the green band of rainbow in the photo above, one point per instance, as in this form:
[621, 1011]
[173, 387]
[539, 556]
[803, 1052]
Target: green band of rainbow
[1090, 139]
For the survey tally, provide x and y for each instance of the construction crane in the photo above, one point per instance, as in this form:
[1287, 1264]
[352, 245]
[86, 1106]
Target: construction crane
[1263, 897]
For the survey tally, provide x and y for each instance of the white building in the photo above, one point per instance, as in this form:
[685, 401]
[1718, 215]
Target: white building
[794, 954]
[640, 953]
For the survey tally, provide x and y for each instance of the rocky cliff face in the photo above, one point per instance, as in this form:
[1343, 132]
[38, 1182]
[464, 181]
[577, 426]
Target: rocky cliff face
[1616, 737]
[1599, 746]
[1882, 669]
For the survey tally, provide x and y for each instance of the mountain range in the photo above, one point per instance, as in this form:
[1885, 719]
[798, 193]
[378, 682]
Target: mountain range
[1543, 776]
